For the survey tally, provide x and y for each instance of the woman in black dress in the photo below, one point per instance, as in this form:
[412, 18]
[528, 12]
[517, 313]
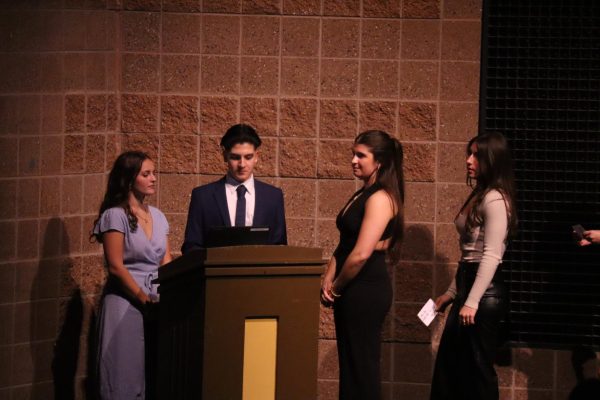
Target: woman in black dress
[357, 283]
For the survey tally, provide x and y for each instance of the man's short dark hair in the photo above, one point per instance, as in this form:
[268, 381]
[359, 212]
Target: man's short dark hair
[238, 134]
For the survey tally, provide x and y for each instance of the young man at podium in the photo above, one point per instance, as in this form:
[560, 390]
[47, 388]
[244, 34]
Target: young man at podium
[237, 199]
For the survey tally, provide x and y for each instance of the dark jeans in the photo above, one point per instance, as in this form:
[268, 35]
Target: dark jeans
[464, 368]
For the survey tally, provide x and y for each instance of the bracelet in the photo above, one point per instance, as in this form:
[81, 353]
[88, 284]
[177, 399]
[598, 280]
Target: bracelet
[334, 294]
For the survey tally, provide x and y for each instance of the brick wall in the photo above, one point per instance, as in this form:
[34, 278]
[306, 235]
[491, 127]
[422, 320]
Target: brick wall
[83, 80]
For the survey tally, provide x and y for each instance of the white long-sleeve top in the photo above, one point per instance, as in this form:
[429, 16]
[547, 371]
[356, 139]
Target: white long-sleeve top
[484, 244]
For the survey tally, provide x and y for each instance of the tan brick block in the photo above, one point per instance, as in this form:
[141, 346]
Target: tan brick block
[378, 115]
[27, 239]
[8, 199]
[51, 149]
[142, 5]
[326, 324]
[458, 121]
[340, 38]
[93, 193]
[420, 367]
[327, 389]
[328, 359]
[414, 282]
[9, 111]
[461, 40]
[140, 113]
[300, 198]
[460, 81]
[300, 76]
[298, 117]
[267, 161]
[8, 156]
[72, 238]
[451, 163]
[420, 40]
[338, 119]
[8, 230]
[95, 153]
[260, 76]
[211, 156]
[333, 195]
[443, 275]
[177, 224]
[417, 121]
[141, 31]
[179, 114]
[461, 9]
[180, 73]
[74, 71]
[51, 73]
[421, 9]
[175, 191]
[450, 199]
[409, 328]
[28, 198]
[140, 72]
[419, 204]
[446, 247]
[139, 141]
[339, 78]
[74, 113]
[95, 71]
[217, 114]
[417, 244]
[29, 156]
[93, 275]
[96, 113]
[74, 149]
[379, 79]
[302, 7]
[222, 6]
[181, 33]
[334, 158]
[297, 157]
[419, 80]
[260, 35]
[72, 192]
[182, 5]
[220, 74]
[419, 162]
[301, 232]
[29, 120]
[380, 38]
[300, 36]
[113, 108]
[220, 34]
[261, 6]
[327, 236]
[260, 113]
[381, 8]
[52, 114]
[414, 391]
[179, 154]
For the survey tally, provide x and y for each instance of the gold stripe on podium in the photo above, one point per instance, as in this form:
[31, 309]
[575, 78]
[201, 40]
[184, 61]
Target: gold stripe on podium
[260, 352]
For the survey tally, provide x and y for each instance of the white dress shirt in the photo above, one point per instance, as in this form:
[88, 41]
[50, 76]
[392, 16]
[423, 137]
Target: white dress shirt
[231, 194]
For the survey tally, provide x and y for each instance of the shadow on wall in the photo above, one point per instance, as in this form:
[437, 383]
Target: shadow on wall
[56, 282]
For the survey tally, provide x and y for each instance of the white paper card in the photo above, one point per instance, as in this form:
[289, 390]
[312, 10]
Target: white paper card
[427, 313]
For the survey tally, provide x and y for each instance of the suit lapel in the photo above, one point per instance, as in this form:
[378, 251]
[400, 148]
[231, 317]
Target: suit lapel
[221, 200]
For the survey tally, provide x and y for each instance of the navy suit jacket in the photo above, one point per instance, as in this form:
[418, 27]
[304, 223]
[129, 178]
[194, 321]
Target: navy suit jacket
[208, 208]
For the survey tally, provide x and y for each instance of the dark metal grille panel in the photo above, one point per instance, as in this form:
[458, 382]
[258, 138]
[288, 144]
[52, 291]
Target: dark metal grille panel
[541, 87]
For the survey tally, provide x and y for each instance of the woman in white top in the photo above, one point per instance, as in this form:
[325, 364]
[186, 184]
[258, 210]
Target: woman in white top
[464, 368]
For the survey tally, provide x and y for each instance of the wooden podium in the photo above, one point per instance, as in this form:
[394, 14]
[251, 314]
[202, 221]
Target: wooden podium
[211, 299]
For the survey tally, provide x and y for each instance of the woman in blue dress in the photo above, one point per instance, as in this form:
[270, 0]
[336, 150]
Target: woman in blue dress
[134, 238]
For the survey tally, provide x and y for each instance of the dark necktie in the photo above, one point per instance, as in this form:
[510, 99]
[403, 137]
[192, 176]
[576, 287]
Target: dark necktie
[240, 208]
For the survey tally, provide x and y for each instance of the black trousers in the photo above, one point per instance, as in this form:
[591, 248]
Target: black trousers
[464, 368]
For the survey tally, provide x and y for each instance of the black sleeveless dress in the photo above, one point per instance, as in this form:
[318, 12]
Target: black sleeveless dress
[360, 311]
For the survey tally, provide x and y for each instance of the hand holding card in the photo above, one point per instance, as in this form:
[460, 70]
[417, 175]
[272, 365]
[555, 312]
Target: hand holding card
[427, 313]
